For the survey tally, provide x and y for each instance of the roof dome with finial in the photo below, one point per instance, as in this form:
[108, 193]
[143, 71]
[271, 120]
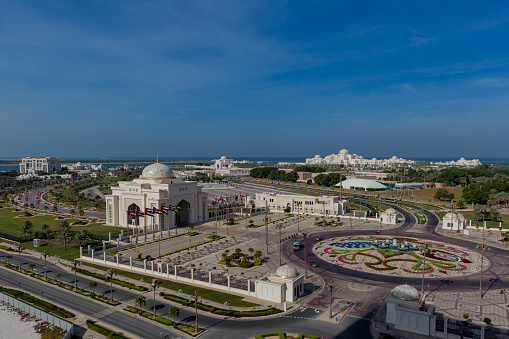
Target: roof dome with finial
[157, 171]
[286, 271]
[406, 292]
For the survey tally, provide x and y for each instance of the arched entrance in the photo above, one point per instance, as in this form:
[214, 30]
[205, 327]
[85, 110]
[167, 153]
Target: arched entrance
[132, 218]
[183, 213]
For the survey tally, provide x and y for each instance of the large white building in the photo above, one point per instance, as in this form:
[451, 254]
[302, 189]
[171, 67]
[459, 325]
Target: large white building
[31, 165]
[346, 159]
[462, 162]
[226, 167]
[323, 205]
[85, 167]
[156, 187]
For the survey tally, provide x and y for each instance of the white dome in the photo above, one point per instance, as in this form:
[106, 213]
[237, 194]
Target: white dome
[406, 292]
[451, 215]
[364, 183]
[157, 171]
[343, 151]
[286, 271]
[391, 210]
[317, 156]
[223, 157]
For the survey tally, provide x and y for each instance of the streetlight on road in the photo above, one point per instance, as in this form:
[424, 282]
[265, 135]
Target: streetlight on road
[330, 286]
[109, 275]
[305, 235]
[75, 264]
[155, 284]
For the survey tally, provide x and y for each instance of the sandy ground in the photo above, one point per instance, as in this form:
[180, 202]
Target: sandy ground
[14, 327]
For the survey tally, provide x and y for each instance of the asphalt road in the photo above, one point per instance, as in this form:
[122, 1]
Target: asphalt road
[298, 321]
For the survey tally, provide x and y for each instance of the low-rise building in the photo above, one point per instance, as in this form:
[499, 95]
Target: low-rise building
[226, 167]
[286, 285]
[454, 222]
[323, 205]
[31, 165]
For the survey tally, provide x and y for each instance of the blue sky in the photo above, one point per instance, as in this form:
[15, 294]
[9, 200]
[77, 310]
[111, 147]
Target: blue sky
[254, 78]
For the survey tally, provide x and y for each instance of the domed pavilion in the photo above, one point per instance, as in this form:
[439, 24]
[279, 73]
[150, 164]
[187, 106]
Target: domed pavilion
[156, 201]
[285, 285]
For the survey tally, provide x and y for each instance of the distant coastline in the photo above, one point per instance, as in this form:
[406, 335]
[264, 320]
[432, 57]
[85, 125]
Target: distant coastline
[13, 164]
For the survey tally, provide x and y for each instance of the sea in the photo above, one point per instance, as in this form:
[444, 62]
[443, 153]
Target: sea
[115, 162]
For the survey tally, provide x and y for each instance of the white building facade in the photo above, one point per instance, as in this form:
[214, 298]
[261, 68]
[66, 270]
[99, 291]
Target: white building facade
[157, 188]
[304, 204]
[389, 217]
[454, 222]
[226, 167]
[346, 159]
[31, 165]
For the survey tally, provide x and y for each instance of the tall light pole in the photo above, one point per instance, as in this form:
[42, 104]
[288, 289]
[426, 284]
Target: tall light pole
[75, 264]
[305, 235]
[424, 250]
[19, 256]
[298, 203]
[196, 311]
[266, 228]
[330, 286]
[109, 275]
[44, 254]
[279, 226]
[482, 256]
[155, 284]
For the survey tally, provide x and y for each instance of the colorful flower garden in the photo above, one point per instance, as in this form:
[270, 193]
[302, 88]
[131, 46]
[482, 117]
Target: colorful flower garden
[400, 256]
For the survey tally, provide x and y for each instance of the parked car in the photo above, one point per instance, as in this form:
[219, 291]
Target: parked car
[319, 238]
[314, 264]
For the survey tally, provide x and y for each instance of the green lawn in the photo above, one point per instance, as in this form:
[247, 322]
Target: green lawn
[9, 224]
[220, 297]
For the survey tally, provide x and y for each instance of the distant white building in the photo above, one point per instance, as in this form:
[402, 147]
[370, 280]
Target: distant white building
[360, 184]
[460, 163]
[346, 159]
[31, 165]
[323, 205]
[226, 167]
[85, 167]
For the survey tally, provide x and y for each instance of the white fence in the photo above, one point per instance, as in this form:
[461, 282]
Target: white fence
[37, 312]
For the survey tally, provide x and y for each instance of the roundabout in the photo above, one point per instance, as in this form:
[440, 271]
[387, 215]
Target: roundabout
[400, 256]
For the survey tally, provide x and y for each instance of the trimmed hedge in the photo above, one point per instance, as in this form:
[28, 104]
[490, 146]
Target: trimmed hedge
[105, 331]
[220, 311]
[115, 281]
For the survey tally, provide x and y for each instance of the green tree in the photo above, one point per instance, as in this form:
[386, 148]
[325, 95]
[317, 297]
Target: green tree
[55, 208]
[58, 276]
[82, 236]
[31, 266]
[92, 285]
[141, 301]
[45, 229]
[26, 228]
[174, 312]
[65, 233]
[250, 250]
[46, 208]
[7, 258]
[443, 194]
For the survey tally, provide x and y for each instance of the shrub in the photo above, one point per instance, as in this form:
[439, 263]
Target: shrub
[487, 321]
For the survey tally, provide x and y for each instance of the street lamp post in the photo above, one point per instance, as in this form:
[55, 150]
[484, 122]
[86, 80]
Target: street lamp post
[19, 256]
[196, 311]
[109, 275]
[298, 203]
[424, 249]
[482, 257]
[75, 264]
[330, 286]
[44, 254]
[266, 228]
[279, 227]
[155, 284]
[305, 235]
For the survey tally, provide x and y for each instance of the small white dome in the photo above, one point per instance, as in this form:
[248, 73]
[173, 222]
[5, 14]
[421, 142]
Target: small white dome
[343, 151]
[286, 272]
[406, 292]
[223, 157]
[157, 171]
[451, 215]
[391, 210]
[317, 156]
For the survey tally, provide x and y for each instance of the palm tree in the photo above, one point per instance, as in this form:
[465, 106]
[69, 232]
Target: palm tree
[250, 250]
[26, 228]
[258, 254]
[140, 300]
[82, 236]
[55, 208]
[65, 233]
[31, 266]
[92, 285]
[72, 212]
[46, 208]
[174, 312]
[58, 276]
[81, 212]
[45, 228]
[7, 258]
